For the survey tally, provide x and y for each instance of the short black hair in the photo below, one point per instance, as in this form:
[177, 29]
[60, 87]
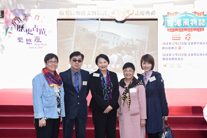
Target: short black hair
[50, 56]
[76, 53]
[128, 65]
[102, 56]
[148, 58]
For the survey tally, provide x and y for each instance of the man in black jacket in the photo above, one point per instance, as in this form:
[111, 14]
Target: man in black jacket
[75, 86]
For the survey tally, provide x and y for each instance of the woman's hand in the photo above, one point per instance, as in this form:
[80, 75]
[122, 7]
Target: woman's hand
[42, 122]
[143, 122]
[108, 109]
[61, 119]
[165, 117]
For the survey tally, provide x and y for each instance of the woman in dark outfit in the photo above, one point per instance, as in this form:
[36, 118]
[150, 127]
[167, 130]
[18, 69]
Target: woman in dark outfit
[157, 107]
[104, 103]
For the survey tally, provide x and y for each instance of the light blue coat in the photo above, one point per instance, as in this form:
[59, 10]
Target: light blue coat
[44, 99]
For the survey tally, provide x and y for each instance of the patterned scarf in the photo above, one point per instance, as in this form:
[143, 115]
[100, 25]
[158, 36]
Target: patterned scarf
[52, 79]
[106, 86]
[126, 93]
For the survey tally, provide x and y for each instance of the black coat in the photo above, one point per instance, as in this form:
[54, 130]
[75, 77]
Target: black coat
[156, 103]
[97, 100]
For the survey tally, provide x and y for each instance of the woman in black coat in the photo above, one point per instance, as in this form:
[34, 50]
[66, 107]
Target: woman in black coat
[157, 107]
[104, 102]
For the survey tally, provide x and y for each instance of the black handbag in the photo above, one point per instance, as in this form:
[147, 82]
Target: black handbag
[166, 131]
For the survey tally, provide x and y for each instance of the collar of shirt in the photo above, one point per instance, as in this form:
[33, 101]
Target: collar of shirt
[149, 73]
[73, 72]
[147, 76]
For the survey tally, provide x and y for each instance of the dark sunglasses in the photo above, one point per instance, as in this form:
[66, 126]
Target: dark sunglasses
[79, 61]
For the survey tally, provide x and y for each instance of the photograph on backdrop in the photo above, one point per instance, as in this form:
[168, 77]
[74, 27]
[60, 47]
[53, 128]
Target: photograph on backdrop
[121, 42]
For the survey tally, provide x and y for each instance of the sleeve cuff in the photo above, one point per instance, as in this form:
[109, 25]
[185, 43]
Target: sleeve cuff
[40, 115]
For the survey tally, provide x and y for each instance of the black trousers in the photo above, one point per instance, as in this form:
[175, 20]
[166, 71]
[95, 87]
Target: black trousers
[80, 127]
[156, 135]
[105, 124]
[51, 129]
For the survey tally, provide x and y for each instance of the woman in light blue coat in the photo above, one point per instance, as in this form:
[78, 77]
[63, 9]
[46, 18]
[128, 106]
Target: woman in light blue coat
[48, 99]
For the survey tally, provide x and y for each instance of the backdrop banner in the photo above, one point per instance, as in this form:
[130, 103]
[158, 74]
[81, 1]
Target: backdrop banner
[182, 48]
[30, 35]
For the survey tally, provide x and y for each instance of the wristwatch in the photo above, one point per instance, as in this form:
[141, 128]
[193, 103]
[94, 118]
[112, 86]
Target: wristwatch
[43, 118]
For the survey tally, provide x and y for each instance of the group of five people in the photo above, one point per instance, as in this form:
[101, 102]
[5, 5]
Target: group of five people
[140, 104]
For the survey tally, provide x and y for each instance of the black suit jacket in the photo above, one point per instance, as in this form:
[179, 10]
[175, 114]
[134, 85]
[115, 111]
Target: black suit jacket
[97, 101]
[75, 103]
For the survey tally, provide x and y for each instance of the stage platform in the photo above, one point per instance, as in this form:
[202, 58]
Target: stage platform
[185, 114]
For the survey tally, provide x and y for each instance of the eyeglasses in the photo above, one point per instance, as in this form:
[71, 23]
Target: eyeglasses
[79, 61]
[51, 62]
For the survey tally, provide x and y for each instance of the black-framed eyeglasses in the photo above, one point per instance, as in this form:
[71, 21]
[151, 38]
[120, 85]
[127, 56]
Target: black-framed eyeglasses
[79, 61]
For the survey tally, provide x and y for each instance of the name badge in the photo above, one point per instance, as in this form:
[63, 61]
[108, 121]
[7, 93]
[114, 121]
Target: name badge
[152, 79]
[132, 90]
[96, 74]
[84, 83]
